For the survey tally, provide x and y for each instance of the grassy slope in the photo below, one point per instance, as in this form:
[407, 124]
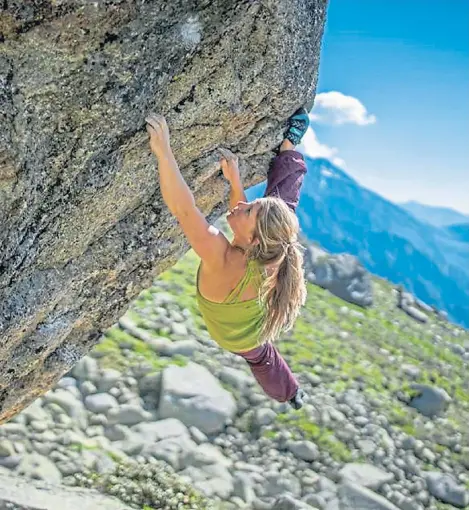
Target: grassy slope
[375, 336]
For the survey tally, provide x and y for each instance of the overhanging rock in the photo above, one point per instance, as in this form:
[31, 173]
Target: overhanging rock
[83, 226]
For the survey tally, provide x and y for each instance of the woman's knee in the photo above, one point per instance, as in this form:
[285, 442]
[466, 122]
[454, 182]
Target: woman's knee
[258, 356]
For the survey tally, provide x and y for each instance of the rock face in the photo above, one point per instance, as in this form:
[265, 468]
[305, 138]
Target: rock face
[84, 229]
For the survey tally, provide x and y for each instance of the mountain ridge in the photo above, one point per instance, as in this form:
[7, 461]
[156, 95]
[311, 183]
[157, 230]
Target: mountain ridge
[435, 215]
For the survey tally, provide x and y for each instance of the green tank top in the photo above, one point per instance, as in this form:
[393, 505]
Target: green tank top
[235, 325]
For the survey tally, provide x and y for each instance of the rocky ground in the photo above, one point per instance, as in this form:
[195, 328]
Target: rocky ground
[160, 417]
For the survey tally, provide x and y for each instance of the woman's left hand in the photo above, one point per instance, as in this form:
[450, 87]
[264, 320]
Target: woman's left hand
[229, 165]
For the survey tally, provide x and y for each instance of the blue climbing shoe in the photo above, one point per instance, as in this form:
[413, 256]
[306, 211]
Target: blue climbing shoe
[298, 124]
[297, 401]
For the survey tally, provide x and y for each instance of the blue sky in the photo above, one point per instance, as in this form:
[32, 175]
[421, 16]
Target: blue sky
[393, 104]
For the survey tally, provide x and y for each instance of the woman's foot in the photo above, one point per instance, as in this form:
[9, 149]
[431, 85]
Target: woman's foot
[298, 400]
[298, 124]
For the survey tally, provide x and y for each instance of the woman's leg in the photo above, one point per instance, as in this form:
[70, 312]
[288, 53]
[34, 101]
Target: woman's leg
[271, 372]
[288, 168]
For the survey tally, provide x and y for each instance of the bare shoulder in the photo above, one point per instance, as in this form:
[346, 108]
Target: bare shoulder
[235, 259]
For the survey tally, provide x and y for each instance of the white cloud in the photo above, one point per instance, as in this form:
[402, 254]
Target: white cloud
[333, 108]
[336, 108]
[311, 146]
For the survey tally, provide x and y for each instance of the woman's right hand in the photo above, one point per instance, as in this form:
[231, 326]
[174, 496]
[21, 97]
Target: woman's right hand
[229, 165]
[159, 133]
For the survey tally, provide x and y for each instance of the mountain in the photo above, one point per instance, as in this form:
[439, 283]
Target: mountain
[342, 216]
[437, 216]
[459, 231]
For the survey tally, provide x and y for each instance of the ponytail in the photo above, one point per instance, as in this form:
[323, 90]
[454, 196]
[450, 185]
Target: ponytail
[283, 292]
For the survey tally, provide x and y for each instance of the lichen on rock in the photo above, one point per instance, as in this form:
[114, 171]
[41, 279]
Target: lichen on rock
[84, 229]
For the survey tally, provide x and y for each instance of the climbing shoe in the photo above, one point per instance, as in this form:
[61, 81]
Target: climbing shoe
[297, 125]
[297, 401]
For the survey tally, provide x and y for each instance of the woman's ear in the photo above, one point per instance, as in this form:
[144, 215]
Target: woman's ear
[254, 241]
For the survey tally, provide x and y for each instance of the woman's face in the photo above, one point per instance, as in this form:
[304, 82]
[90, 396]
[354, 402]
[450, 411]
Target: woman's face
[242, 221]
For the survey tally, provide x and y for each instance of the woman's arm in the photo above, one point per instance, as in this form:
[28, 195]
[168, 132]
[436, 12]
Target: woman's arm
[174, 189]
[236, 192]
[230, 168]
[207, 241]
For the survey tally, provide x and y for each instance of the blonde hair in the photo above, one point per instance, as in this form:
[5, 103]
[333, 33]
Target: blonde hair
[284, 291]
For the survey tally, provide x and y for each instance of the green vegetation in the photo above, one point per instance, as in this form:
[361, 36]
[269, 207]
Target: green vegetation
[340, 342]
[322, 436]
[148, 486]
[380, 340]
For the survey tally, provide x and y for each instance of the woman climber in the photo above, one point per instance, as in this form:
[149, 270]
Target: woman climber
[250, 290]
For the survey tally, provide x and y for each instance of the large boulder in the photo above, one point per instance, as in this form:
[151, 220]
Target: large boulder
[194, 396]
[429, 400]
[445, 488]
[342, 274]
[39, 467]
[365, 475]
[352, 496]
[84, 228]
[19, 492]
[411, 306]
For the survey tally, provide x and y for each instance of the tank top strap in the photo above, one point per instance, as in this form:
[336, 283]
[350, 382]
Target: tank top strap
[241, 286]
[258, 273]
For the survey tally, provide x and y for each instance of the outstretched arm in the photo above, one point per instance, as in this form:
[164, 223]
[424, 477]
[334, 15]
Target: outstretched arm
[207, 241]
[229, 166]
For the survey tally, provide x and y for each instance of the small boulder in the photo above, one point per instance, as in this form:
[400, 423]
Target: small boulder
[162, 429]
[236, 378]
[173, 450]
[6, 448]
[108, 379]
[416, 314]
[100, 403]
[264, 416]
[87, 369]
[304, 450]
[288, 502]
[182, 348]
[128, 414]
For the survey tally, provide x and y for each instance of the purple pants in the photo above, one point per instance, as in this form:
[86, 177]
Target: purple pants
[285, 177]
[270, 370]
